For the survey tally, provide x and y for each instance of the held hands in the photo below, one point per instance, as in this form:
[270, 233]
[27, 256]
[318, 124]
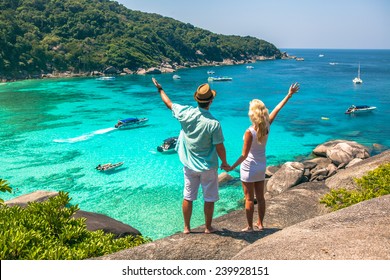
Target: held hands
[226, 167]
[293, 89]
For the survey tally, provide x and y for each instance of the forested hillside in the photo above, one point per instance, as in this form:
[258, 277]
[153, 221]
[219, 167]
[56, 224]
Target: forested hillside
[43, 36]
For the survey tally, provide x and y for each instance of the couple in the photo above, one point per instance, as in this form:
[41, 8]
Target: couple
[200, 144]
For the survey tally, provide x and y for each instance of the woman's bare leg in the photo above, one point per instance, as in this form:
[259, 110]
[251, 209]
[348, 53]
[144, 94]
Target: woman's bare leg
[249, 204]
[259, 191]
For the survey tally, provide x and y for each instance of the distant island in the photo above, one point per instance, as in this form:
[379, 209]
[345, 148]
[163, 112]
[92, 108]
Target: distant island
[92, 37]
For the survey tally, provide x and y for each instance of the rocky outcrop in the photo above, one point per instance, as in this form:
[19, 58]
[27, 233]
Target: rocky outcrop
[94, 221]
[290, 207]
[331, 157]
[359, 232]
[341, 151]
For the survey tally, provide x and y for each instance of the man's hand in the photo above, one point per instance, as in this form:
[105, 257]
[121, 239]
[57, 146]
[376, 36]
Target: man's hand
[164, 96]
[158, 86]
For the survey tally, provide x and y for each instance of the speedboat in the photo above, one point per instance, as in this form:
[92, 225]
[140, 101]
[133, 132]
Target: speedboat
[210, 72]
[359, 109]
[108, 166]
[176, 77]
[250, 67]
[130, 123]
[169, 144]
[219, 79]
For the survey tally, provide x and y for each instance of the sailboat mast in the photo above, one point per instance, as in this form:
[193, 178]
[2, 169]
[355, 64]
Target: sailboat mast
[359, 71]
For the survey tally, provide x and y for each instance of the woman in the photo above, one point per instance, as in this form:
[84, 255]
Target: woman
[253, 160]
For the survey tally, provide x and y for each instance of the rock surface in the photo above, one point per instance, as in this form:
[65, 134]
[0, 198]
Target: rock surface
[358, 232]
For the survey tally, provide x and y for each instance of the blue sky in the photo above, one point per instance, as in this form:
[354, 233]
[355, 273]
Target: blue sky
[337, 24]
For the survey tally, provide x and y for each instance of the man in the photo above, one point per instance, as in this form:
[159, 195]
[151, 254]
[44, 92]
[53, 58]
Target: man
[199, 145]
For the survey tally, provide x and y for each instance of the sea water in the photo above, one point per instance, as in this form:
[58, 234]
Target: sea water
[55, 132]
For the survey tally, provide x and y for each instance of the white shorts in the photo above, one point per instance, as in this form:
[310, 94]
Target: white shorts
[208, 179]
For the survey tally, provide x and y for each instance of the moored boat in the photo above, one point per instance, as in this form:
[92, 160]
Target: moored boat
[219, 79]
[358, 80]
[108, 166]
[130, 122]
[359, 109]
[169, 144]
[106, 78]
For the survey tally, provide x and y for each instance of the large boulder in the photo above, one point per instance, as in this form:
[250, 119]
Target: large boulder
[358, 232]
[37, 196]
[343, 153]
[102, 222]
[345, 178]
[322, 149]
[289, 175]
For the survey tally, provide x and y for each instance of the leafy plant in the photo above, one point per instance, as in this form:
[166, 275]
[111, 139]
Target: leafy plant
[376, 183]
[47, 231]
[4, 187]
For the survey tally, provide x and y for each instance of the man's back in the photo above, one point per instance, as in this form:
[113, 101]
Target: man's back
[200, 133]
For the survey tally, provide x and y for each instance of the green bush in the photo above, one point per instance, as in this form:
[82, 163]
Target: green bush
[376, 183]
[47, 231]
[4, 187]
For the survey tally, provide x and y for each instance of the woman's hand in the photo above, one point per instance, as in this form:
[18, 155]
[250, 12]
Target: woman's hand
[293, 89]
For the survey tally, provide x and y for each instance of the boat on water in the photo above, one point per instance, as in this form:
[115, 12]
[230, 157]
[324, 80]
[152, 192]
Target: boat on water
[357, 80]
[359, 109]
[219, 79]
[106, 78]
[210, 72]
[168, 145]
[108, 166]
[130, 123]
[250, 67]
[176, 77]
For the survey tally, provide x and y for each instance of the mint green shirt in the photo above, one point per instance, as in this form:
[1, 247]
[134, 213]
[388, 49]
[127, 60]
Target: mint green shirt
[199, 134]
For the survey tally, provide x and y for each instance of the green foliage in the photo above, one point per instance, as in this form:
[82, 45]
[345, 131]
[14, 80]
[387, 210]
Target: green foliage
[87, 35]
[376, 183]
[4, 187]
[47, 231]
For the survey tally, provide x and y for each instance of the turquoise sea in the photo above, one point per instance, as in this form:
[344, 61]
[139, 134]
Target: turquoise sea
[55, 132]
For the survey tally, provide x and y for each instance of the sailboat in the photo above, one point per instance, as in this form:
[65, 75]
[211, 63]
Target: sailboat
[357, 80]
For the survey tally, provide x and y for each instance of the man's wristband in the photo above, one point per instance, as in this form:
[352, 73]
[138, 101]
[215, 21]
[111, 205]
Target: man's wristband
[159, 89]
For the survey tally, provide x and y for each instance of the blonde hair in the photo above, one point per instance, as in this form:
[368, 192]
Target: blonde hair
[259, 116]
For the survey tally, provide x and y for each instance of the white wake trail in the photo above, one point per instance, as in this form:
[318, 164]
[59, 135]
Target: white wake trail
[85, 137]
